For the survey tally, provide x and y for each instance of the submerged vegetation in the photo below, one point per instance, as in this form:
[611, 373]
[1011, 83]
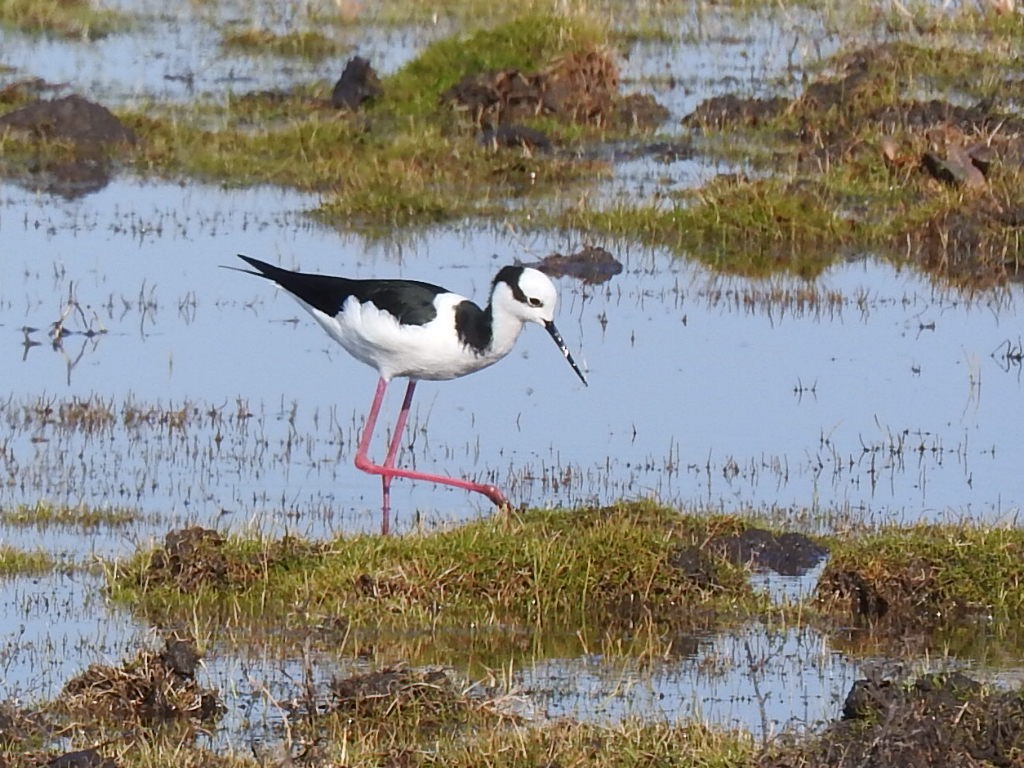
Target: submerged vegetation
[17, 562]
[43, 515]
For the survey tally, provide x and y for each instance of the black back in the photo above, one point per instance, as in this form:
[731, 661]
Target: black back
[411, 301]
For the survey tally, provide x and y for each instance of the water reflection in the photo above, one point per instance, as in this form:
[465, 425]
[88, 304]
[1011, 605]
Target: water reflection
[869, 394]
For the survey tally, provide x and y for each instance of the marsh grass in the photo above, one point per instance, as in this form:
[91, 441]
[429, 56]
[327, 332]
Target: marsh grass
[19, 562]
[71, 19]
[305, 44]
[42, 515]
[752, 227]
[408, 160]
[933, 575]
[609, 567]
[424, 722]
[490, 740]
[819, 186]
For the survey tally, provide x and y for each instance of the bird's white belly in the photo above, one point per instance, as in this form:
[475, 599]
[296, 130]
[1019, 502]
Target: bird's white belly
[431, 352]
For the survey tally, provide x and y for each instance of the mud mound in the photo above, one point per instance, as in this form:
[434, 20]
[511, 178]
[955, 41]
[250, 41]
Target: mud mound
[381, 693]
[195, 557]
[72, 118]
[580, 87]
[936, 720]
[908, 596]
[152, 686]
[88, 135]
[788, 554]
[190, 557]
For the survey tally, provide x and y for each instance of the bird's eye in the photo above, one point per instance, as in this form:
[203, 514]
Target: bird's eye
[535, 302]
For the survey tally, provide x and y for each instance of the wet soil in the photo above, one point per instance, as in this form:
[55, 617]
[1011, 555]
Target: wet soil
[935, 720]
[155, 685]
[90, 132]
[947, 144]
[194, 557]
[72, 118]
[788, 554]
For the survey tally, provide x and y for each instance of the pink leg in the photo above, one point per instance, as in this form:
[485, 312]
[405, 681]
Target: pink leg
[396, 439]
[388, 470]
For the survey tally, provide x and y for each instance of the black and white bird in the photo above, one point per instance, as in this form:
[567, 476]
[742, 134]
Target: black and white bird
[416, 330]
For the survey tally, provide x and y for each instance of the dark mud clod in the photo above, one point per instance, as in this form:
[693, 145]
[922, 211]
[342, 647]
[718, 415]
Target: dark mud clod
[591, 264]
[358, 84]
[142, 690]
[72, 118]
[788, 554]
[938, 719]
[92, 131]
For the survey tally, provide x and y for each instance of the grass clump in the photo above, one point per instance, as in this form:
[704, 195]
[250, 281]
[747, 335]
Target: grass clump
[749, 227]
[866, 159]
[927, 575]
[18, 562]
[61, 18]
[308, 45]
[43, 515]
[618, 566]
[528, 43]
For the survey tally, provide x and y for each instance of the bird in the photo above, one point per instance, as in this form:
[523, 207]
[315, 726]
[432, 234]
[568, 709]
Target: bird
[421, 332]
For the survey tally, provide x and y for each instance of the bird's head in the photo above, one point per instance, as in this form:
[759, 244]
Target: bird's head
[529, 295]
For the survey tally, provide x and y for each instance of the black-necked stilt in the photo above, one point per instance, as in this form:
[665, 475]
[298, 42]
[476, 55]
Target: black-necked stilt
[420, 331]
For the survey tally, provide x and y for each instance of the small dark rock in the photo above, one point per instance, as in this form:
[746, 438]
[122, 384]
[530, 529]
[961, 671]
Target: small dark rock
[181, 657]
[591, 264]
[358, 83]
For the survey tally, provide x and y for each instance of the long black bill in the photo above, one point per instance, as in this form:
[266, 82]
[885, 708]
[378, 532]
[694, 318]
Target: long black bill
[565, 350]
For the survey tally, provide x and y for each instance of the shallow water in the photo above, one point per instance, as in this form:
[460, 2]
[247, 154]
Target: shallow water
[880, 397]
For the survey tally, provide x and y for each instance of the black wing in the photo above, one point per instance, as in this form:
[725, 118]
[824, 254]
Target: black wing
[411, 301]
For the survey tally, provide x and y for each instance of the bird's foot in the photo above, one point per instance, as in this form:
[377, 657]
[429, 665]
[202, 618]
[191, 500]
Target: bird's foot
[495, 495]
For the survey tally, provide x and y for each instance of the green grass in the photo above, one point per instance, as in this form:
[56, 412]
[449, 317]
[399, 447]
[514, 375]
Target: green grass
[17, 562]
[311, 46]
[607, 567]
[928, 574]
[72, 19]
[754, 228]
[408, 161]
[528, 43]
[44, 515]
